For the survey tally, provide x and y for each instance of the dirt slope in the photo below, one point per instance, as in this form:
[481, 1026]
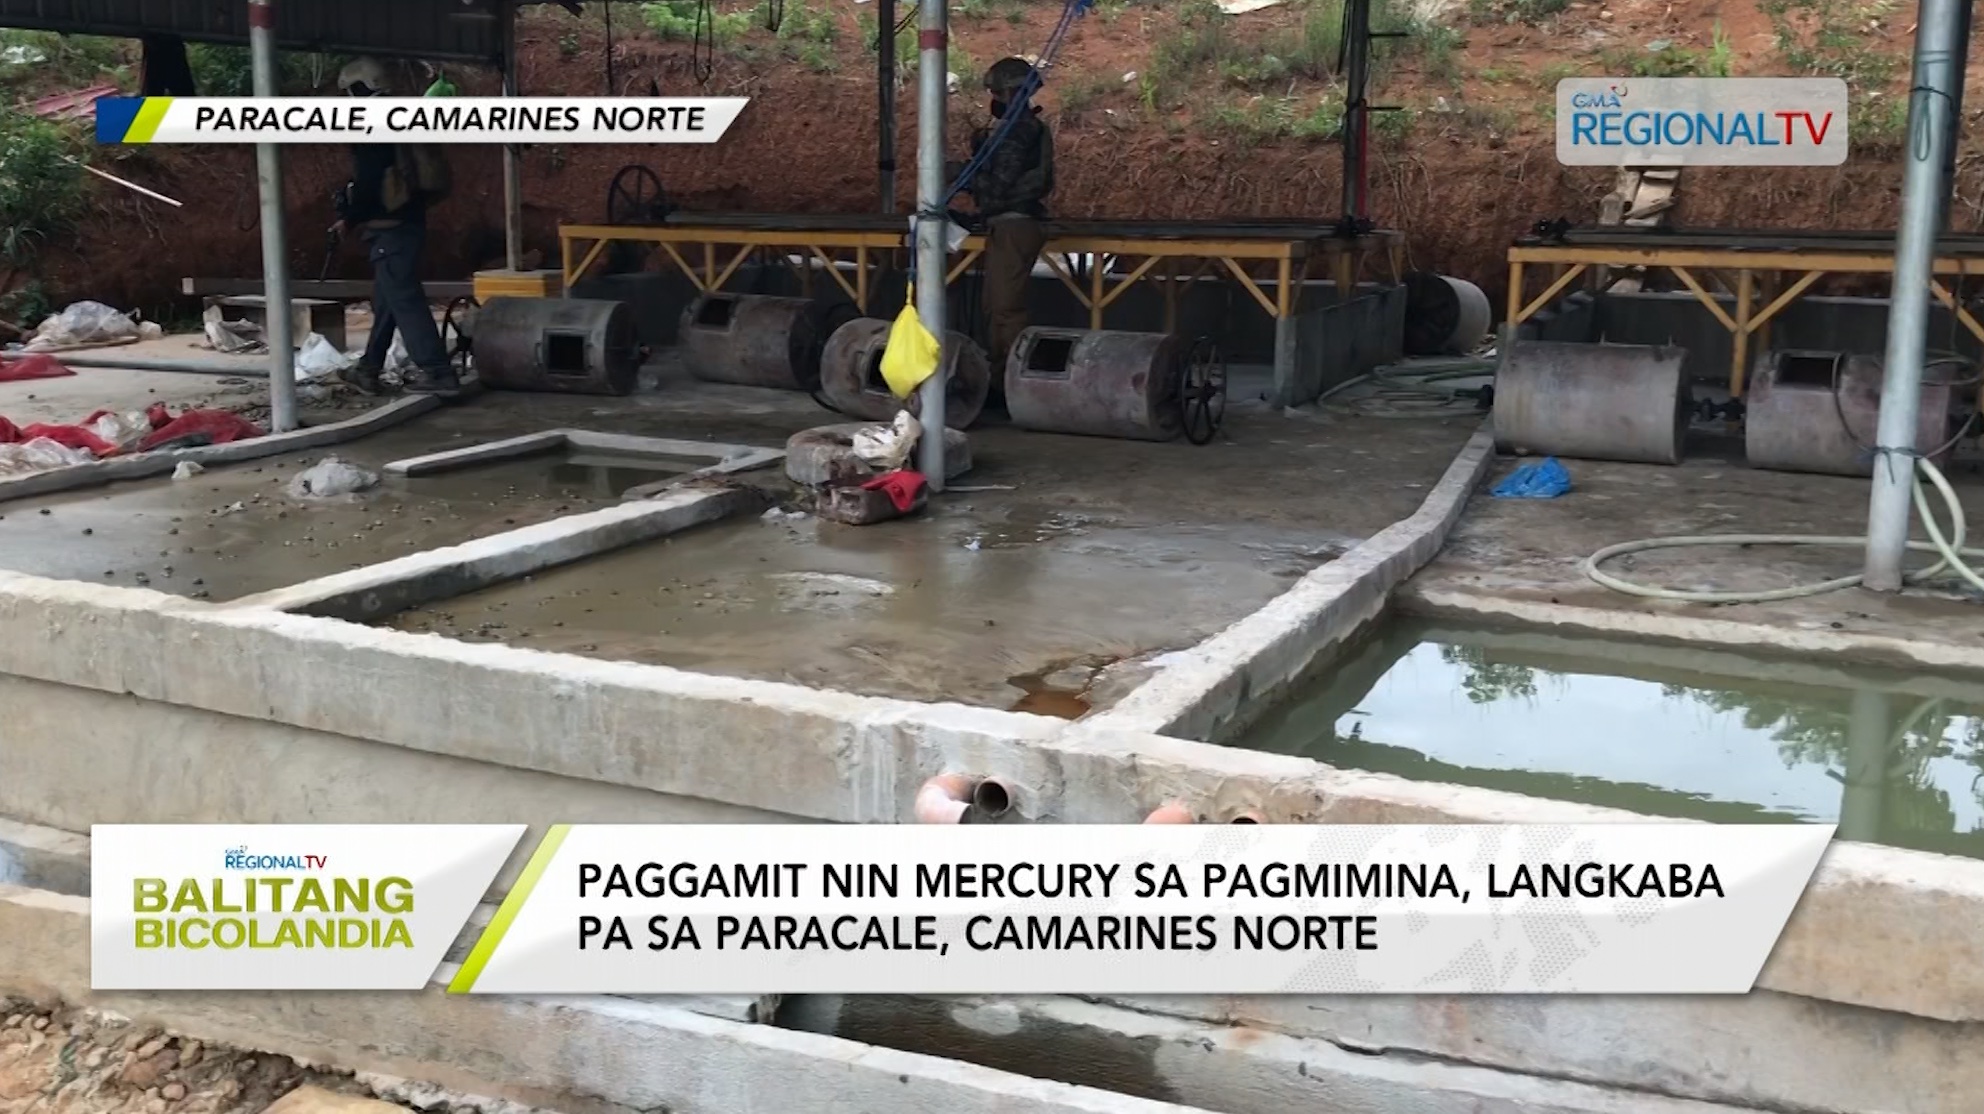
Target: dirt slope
[1162, 109]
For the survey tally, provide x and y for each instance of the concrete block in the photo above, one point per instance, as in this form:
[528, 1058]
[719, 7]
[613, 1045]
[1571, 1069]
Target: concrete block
[815, 457]
[1215, 689]
[1232, 1068]
[582, 1055]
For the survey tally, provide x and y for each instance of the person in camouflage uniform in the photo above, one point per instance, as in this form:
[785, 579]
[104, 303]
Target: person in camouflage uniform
[1011, 190]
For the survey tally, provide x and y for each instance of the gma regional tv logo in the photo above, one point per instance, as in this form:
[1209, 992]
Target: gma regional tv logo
[1714, 121]
[267, 901]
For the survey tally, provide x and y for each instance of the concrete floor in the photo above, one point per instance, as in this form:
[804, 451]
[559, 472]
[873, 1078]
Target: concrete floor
[1075, 553]
[1532, 550]
[1061, 556]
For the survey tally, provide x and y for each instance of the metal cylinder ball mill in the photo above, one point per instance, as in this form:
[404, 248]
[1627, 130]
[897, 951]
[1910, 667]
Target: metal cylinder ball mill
[851, 376]
[1817, 411]
[1624, 402]
[563, 345]
[1104, 383]
[756, 340]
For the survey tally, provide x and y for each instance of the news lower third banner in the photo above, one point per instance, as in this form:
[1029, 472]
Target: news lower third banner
[1701, 121]
[415, 119]
[974, 909]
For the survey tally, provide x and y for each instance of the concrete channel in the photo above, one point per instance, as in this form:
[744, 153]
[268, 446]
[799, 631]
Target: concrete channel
[137, 704]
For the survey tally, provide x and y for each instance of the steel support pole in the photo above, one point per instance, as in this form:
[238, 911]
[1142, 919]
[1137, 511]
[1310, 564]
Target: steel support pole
[1357, 109]
[885, 102]
[932, 227]
[1922, 206]
[275, 241]
[513, 168]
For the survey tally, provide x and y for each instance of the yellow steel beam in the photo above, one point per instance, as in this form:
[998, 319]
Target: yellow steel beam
[1789, 296]
[833, 268]
[1549, 292]
[1247, 281]
[1704, 297]
[1837, 261]
[694, 279]
[1117, 291]
[1061, 271]
[1962, 314]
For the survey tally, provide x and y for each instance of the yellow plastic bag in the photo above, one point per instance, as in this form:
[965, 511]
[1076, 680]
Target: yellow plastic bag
[912, 354]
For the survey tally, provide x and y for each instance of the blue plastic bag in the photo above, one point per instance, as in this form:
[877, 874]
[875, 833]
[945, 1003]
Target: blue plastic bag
[1545, 479]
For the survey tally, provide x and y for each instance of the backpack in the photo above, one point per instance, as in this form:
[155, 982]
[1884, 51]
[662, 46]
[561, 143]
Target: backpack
[419, 172]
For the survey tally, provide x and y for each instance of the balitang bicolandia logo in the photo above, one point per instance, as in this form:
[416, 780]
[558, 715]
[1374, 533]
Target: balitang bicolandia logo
[273, 900]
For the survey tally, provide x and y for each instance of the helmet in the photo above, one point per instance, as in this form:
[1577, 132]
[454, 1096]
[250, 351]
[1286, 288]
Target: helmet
[1007, 75]
[365, 77]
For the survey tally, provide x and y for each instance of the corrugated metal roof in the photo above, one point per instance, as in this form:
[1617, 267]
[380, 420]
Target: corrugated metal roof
[456, 30]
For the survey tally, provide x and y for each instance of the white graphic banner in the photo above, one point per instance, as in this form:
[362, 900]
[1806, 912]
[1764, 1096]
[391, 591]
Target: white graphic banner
[1701, 121]
[284, 907]
[1159, 909]
[415, 119]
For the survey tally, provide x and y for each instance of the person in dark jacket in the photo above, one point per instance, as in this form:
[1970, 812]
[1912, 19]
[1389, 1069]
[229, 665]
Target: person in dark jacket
[1010, 190]
[394, 238]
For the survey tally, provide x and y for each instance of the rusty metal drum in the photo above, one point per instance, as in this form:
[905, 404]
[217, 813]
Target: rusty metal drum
[851, 375]
[561, 345]
[1816, 411]
[754, 340]
[1098, 383]
[1625, 402]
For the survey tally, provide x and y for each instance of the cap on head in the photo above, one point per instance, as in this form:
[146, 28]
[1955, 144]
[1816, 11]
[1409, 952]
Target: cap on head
[1007, 75]
[365, 77]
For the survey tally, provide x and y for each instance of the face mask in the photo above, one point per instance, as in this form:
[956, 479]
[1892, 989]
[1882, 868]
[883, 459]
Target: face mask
[998, 109]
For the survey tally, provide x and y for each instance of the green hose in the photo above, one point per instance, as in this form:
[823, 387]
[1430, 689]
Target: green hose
[1950, 552]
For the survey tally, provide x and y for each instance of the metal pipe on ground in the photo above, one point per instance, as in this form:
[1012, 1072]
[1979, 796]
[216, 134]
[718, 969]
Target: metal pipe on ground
[560, 345]
[1444, 315]
[851, 375]
[141, 363]
[1625, 402]
[1100, 383]
[275, 244]
[1817, 412]
[932, 225]
[1937, 79]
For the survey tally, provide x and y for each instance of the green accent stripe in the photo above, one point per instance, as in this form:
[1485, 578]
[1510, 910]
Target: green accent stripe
[485, 945]
[149, 117]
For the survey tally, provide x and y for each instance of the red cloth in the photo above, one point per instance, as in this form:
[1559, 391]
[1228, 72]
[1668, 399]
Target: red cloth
[41, 365]
[218, 426]
[69, 436]
[215, 427]
[902, 487]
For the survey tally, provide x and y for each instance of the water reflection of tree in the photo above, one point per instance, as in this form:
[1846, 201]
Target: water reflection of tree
[1487, 681]
[1809, 734]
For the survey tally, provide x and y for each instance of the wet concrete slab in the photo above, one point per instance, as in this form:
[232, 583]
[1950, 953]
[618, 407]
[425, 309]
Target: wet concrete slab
[1532, 550]
[984, 601]
[235, 531]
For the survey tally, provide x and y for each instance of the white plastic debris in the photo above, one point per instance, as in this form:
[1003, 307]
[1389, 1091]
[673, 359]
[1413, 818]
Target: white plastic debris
[317, 357]
[330, 478]
[187, 469]
[776, 516]
[885, 448]
[82, 323]
[122, 430]
[150, 330]
[230, 336]
[39, 455]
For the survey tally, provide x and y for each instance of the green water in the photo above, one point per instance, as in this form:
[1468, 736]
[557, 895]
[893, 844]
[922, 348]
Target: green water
[1892, 757]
